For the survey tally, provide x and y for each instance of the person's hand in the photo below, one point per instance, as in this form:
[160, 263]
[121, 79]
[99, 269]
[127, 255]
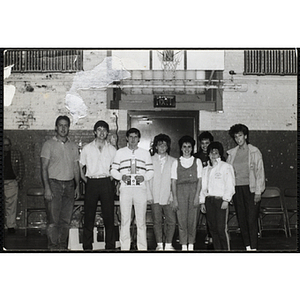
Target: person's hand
[48, 194]
[125, 178]
[174, 205]
[77, 193]
[139, 179]
[196, 202]
[224, 205]
[150, 201]
[203, 208]
[257, 198]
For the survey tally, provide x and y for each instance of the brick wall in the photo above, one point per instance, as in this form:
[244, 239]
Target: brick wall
[270, 102]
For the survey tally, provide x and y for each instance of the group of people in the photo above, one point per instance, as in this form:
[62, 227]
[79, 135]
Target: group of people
[178, 189]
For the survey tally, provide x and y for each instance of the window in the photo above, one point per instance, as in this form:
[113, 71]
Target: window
[44, 60]
[270, 62]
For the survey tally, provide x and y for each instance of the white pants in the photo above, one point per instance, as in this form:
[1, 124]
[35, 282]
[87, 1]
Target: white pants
[11, 200]
[137, 197]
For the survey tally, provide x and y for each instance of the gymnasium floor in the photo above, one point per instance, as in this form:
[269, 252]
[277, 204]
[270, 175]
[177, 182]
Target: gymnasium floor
[271, 241]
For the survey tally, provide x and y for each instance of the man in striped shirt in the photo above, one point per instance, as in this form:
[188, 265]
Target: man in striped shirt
[133, 166]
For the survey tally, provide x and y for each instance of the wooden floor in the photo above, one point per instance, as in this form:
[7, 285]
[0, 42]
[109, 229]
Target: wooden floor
[271, 241]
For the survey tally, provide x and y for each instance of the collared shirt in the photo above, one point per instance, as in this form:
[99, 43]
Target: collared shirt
[186, 163]
[218, 181]
[98, 163]
[62, 158]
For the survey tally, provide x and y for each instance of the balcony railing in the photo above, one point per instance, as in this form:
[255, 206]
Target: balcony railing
[44, 60]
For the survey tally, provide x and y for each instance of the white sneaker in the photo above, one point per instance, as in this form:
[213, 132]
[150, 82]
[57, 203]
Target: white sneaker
[169, 248]
[184, 247]
[190, 247]
[159, 248]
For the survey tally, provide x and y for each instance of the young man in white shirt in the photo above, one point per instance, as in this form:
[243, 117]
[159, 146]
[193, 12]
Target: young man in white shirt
[97, 157]
[133, 166]
[217, 190]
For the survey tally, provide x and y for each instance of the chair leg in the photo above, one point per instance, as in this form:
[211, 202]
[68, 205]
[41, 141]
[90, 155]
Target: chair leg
[26, 220]
[286, 216]
[260, 225]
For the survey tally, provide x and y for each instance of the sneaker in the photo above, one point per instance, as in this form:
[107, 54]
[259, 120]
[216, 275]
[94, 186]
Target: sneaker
[184, 248]
[159, 248]
[190, 247]
[206, 241]
[169, 248]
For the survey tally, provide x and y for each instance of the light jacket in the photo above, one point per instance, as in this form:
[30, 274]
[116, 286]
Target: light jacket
[256, 168]
[159, 187]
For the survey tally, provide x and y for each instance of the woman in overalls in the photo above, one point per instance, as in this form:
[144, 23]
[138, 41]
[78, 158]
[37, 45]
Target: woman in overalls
[186, 185]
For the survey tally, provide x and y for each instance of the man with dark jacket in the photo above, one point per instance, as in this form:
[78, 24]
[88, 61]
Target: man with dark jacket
[13, 176]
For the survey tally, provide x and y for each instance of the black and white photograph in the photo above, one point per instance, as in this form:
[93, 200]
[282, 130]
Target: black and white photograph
[150, 150]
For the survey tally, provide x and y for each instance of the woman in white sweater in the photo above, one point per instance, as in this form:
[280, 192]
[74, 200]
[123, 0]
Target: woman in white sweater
[217, 190]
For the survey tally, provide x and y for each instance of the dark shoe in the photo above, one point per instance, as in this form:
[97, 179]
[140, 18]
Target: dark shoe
[11, 231]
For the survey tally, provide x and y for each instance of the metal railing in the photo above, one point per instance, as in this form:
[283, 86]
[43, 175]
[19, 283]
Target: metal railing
[270, 62]
[44, 60]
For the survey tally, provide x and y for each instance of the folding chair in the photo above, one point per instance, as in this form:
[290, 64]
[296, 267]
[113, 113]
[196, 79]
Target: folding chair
[291, 201]
[272, 204]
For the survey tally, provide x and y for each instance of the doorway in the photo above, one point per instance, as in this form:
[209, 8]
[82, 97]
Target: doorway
[174, 124]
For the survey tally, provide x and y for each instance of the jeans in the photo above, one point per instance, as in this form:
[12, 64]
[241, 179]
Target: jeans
[158, 211]
[11, 200]
[59, 212]
[247, 214]
[99, 189]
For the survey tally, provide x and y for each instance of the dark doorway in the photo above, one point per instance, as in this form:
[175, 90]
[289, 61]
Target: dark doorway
[174, 124]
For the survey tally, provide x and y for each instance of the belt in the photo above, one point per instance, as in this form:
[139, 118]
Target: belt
[215, 197]
[98, 177]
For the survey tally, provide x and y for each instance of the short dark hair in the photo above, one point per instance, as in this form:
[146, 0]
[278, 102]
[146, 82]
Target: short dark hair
[101, 123]
[186, 139]
[7, 138]
[66, 118]
[133, 130]
[161, 138]
[218, 146]
[205, 135]
[239, 128]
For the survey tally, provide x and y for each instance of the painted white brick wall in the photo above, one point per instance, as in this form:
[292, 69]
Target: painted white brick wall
[270, 103]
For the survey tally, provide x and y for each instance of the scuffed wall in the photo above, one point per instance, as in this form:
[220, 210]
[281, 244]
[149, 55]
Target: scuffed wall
[40, 97]
[269, 103]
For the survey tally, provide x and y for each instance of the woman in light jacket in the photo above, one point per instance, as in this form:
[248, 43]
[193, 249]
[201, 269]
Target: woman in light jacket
[160, 195]
[248, 166]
